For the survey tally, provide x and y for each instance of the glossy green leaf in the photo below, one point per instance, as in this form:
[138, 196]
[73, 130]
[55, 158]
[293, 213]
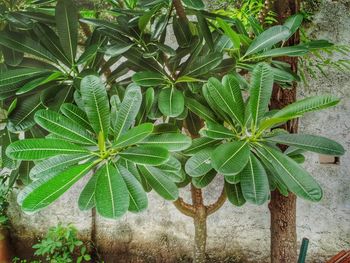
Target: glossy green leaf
[199, 144]
[170, 141]
[254, 183]
[29, 86]
[293, 176]
[66, 16]
[260, 91]
[128, 110]
[182, 32]
[96, 104]
[205, 30]
[24, 44]
[310, 104]
[222, 97]
[134, 135]
[56, 164]
[111, 194]
[43, 192]
[233, 36]
[149, 79]
[196, 4]
[268, 38]
[146, 154]
[160, 182]
[36, 149]
[311, 143]
[87, 196]
[204, 180]
[199, 164]
[231, 158]
[199, 109]
[171, 102]
[117, 49]
[216, 131]
[293, 23]
[75, 114]
[202, 65]
[234, 194]
[137, 195]
[293, 51]
[63, 127]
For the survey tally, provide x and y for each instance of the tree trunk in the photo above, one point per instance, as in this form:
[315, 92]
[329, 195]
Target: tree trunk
[283, 209]
[5, 249]
[200, 225]
[200, 242]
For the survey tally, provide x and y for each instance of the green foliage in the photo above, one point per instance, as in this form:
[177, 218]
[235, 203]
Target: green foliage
[61, 244]
[119, 110]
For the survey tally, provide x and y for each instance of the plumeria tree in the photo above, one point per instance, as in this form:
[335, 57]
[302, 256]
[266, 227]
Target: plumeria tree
[135, 112]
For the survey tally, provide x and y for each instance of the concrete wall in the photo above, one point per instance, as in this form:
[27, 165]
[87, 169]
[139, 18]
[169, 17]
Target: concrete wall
[162, 234]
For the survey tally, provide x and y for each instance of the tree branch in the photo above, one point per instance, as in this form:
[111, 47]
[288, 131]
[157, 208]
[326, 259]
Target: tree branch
[184, 207]
[211, 209]
[180, 10]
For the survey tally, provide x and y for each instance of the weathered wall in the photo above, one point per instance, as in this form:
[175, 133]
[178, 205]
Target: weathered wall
[162, 234]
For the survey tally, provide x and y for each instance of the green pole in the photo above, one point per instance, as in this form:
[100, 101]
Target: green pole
[303, 250]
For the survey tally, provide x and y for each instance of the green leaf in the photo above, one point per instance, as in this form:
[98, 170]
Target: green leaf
[254, 182]
[36, 149]
[295, 177]
[260, 91]
[171, 102]
[146, 154]
[29, 86]
[216, 131]
[43, 192]
[51, 42]
[75, 114]
[232, 86]
[6, 138]
[134, 135]
[66, 16]
[293, 23]
[89, 54]
[204, 180]
[96, 104]
[111, 194]
[149, 79]
[160, 182]
[199, 144]
[203, 64]
[222, 97]
[293, 51]
[182, 32]
[231, 158]
[137, 195]
[199, 109]
[233, 179]
[205, 31]
[16, 76]
[196, 4]
[21, 118]
[63, 127]
[234, 194]
[170, 141]
[311, 143]
[24, 44]
[171, 165]
[199, 164]
[128, 110]
[234, 37]
[56, 164]
[300, 107]
[117, 49]
[11, 57]
[87, 196]
[268, 38]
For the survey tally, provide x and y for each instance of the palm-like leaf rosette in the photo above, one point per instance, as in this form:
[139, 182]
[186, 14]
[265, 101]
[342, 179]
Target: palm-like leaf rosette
[243, 146]
[123, 160]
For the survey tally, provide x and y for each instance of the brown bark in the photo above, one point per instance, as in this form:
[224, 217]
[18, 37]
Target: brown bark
[5, 248]
[283, 209]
